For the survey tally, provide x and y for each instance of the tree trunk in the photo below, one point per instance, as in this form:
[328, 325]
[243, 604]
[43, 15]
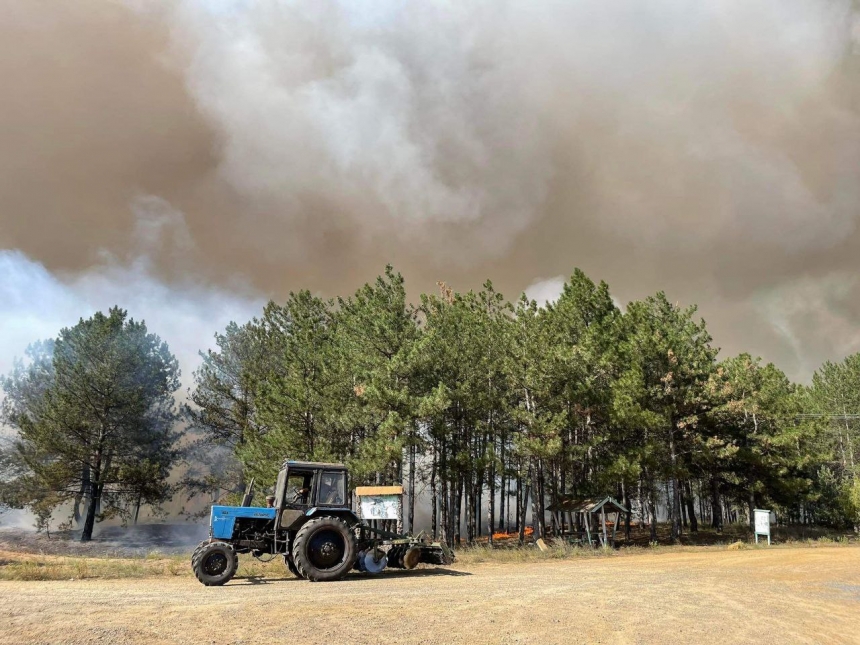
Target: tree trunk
[625, 495]
[445, 526]
[538, 514]
[468, 505]
[683, 494]
[457, 514]
[670, 507]
[82, 496]
[137, 507]
[676, 494]
[96, 490]
[752, 509]
[491, 504]
[716, 508]
[652, 510]
[521, 519]
[694, 525]
[519, 499]
[504, 502]
[90, 521]
[412, 450]
[433, 499]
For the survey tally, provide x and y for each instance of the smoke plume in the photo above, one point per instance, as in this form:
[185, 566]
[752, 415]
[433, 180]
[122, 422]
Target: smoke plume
[708, 149]
[36, 304]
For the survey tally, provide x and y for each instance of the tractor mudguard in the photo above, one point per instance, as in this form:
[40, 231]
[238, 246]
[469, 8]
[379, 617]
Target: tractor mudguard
[345, 513]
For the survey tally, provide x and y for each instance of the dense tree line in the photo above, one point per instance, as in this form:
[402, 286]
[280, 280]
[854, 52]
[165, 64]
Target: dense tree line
[494, 408]
[497, 408]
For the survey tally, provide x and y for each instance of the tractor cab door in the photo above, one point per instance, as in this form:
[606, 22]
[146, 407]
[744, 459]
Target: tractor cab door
[297, 495]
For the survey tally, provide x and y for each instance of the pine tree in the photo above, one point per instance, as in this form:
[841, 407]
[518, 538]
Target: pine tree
[91, 414]
[667, 360]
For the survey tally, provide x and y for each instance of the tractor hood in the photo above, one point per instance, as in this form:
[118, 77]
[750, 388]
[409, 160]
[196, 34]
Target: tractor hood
[222, 518]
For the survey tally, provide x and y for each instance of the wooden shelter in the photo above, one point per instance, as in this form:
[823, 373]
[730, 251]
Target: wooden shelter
[586, 519]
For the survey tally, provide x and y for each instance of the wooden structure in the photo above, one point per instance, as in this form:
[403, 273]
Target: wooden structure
[586, 519]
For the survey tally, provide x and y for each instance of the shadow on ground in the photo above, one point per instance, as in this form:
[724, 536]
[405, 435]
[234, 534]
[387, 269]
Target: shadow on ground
[356, 577]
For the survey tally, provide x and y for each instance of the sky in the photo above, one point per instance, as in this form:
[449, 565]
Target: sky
[189, 160]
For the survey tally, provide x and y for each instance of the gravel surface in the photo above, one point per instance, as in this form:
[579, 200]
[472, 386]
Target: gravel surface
[800, 595]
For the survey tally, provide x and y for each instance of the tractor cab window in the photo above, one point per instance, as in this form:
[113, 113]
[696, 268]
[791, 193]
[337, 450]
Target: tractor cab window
[332, 489]
[299, 486]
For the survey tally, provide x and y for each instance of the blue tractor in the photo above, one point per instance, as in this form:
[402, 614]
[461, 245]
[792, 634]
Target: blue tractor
[311, 524]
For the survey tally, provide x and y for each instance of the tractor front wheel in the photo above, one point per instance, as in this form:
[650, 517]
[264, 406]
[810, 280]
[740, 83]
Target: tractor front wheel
[324, 549]
[215, 564]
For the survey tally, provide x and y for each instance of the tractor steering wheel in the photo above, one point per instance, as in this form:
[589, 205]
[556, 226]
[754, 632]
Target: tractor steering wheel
[299, 494]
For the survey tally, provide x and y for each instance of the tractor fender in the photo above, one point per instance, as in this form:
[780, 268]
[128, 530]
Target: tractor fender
[344, 513]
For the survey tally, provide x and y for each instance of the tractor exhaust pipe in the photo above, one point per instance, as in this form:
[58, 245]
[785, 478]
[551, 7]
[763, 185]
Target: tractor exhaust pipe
[248, 497]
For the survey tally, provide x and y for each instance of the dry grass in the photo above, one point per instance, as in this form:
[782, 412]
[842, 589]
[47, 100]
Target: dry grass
[480, 554]
[23, 564]
[739, 537]
[529, 553]
[30, 566]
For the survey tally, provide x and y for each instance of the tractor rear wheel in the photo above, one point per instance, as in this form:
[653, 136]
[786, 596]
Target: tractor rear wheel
[324, 549]
[291, 565]
[215, 564]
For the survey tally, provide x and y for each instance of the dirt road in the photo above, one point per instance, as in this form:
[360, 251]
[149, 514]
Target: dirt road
[803, 595]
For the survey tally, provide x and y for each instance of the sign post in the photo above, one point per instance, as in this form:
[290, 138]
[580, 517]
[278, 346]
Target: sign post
[762, 524]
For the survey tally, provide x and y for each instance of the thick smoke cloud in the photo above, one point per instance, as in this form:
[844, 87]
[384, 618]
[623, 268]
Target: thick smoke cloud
[708, 149]
[36, 304]
[672, 123]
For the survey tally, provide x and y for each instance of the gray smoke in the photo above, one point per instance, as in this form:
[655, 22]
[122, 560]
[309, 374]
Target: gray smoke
[35, 304]
[708, 149]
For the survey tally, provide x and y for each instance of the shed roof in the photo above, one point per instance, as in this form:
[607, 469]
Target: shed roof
[593, 505]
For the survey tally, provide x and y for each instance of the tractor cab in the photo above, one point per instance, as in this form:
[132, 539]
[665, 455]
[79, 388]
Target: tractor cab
[305, 486]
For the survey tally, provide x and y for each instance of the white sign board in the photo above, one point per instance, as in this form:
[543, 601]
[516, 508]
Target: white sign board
[380, 507]
[762, 523]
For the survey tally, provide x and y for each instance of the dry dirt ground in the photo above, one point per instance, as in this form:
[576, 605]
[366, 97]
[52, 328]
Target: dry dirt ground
[782, 595]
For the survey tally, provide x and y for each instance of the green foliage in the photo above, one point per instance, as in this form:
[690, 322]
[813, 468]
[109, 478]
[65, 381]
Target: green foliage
[835, 396]
[487, 404]
[515, 405]
[95, 420]
[296, 388]
[227, 384]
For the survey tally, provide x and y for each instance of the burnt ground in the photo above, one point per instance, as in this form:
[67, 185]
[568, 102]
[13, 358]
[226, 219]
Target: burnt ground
[110, 541]
[776, 595]
[113, 541]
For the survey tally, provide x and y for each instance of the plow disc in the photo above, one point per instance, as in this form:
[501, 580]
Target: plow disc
[404, 551]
